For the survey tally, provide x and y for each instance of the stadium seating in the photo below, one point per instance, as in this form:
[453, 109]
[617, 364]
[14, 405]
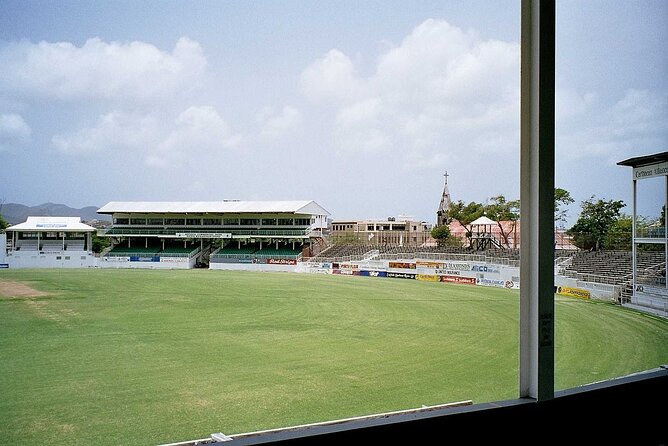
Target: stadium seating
[348, 251]
[615, 266]
[75, 245]
[253, 251]
[52, 246]
[234, 252]
[124, 251]
[28, 245]
[280, 252]
[180, 251]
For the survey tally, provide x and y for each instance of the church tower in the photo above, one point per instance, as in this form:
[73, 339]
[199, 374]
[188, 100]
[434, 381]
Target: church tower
[442, 217]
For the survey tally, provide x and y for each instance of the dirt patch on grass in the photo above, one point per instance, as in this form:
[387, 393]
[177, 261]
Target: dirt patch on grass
[19, 289]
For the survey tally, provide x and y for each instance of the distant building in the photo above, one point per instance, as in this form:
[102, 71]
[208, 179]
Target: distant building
[400, 231]
[50, 242]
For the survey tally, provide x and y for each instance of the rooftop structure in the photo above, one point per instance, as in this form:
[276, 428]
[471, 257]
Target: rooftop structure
[400, 231]
[49, 242]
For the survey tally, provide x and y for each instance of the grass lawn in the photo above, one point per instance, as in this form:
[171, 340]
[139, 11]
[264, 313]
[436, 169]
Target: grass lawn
[134, 357]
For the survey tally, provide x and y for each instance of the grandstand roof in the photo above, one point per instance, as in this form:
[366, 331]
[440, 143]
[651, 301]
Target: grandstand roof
[645, 160]
[213, 207]
[64, 224]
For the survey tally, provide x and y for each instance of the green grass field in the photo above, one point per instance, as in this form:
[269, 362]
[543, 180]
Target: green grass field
[125, 357]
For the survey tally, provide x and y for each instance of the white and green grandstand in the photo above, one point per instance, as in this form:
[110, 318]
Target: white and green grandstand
[223, 234]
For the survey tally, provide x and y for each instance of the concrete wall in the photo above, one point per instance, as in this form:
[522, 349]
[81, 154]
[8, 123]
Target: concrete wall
[474, 273]
[163, 263]
[64, 259]
[3, 249]
[597, 290]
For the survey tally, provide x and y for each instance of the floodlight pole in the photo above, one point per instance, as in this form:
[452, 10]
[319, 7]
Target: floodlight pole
[537, 199]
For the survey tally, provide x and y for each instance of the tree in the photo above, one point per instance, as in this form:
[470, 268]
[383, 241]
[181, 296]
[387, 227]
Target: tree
[99, 243]
[441, 234]
[619, 234]
[348, 238]
[465, 214]
[3, 223]
[501, 210]
[594, 222]
[562, 198]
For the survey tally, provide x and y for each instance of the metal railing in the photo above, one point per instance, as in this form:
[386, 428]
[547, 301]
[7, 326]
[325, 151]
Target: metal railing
[647, 232]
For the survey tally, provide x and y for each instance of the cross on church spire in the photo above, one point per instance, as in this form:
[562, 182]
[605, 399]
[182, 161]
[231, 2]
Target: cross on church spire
[442, 217]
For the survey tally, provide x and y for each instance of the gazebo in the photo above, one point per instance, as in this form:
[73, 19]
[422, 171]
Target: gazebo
[482, 234]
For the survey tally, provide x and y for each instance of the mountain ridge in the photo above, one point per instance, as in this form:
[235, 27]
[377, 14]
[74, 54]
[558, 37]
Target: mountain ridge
[15, 213]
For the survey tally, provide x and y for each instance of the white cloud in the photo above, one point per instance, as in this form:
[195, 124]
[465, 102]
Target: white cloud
[441, 89]
[361, 113]
[570, 103]
[332, 77]
[363, 139]
[113, 131]
[197, 131]
[636, 121]
[277, 124]
[14, 131]
[360, 128]
[100, 70]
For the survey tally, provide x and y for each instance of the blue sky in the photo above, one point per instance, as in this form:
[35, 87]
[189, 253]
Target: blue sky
[360, 106]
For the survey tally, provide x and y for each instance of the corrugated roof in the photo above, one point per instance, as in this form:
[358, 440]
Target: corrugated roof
[213, 207]
[65, 224]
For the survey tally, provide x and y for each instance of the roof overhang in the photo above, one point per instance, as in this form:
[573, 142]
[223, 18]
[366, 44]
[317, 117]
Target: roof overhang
[646, 160]
[213, 207]
[60, 224]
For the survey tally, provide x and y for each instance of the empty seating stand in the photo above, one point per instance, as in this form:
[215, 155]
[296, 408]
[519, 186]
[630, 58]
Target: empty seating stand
[179, 251]
[124, 251]
[75, 245]
[348, 250]
[28, 245]
[615, 266]
[52, 246]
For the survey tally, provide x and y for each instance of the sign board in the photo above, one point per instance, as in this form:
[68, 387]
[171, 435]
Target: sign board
[485, 269]
[573, 292]
[655, 170]
[491, 282]
[458, 279]
[401, 265]
[428, 277]
[400, 275]
[432, 265]
[203, 235]
[282, 261]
